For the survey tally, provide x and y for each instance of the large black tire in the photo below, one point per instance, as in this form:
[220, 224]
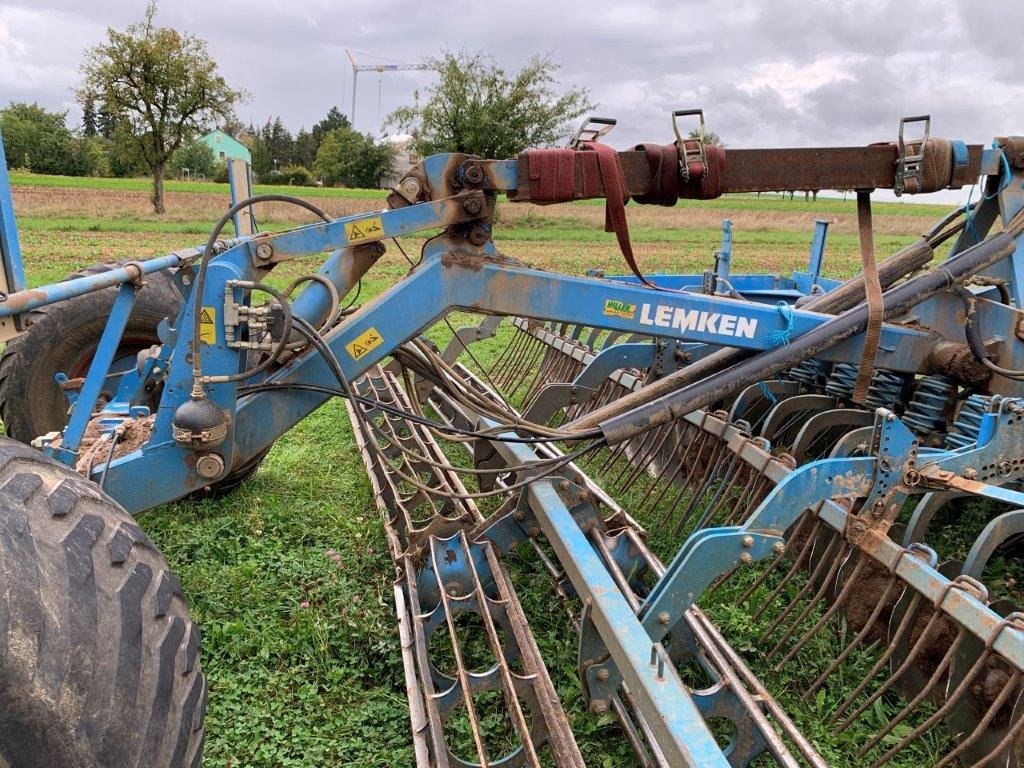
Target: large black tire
[63, 338]
[98, 656]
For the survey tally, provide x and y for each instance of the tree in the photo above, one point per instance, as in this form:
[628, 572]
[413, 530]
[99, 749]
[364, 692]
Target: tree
[197, 157]
[304, 150]
[708, 137]
[352, 159]
[332, 122]
[89, 117]
[163, 83]
[479, 108]
[273, 147]
[36, 139]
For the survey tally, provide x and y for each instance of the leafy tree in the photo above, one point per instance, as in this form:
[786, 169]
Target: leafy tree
[479, 108]
[710, 137]
[332, 122]
[304, 150]
[163, 83]
[351, 159]
[197, 157]
[36, 139]
[88, 156]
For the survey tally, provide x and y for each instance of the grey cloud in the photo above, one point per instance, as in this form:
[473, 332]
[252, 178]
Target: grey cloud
[846, 69]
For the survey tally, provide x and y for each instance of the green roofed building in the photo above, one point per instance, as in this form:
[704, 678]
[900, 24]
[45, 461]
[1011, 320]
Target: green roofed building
[225, 147]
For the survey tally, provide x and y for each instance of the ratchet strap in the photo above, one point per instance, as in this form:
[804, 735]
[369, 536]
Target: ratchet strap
[873, 294]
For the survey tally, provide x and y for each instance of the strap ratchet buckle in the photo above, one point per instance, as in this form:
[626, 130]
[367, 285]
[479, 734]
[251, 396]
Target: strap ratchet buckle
[691, 150]
[910, 167]
[591, 129]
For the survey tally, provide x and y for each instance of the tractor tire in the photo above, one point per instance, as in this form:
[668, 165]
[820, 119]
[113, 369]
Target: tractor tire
[98, 656]
[63, 337]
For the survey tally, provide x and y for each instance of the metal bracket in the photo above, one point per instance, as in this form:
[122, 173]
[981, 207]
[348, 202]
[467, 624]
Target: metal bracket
[591, 129]
[910, 167]
[689, 155]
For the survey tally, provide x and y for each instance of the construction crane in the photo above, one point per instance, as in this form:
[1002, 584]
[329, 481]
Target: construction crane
[383, 67]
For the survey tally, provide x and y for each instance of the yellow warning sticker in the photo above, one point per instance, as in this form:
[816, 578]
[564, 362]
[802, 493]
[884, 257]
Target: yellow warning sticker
[614, 308]
[208, 325]
[365, 342]
[364, 229]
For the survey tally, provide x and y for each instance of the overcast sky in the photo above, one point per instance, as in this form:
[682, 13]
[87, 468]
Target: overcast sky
[770, 73]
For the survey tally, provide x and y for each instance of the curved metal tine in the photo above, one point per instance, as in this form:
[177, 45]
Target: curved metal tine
[753, 402]
[681, 430]
[820, 425]
[937, 675]
[642, 461]
[998, 532]
[725, 484]
[836, 560]
[517, 349]
[852, 443]
[783, 415]
[1009, 742]
[892, 584]
[925, 511]
[502, 361]
[753, 494]
[851, 581]
[713, 462]
[805, 551]
[940, 713]
[895, 638]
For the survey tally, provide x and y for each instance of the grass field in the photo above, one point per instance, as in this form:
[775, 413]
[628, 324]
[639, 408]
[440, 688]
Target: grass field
[301, 652]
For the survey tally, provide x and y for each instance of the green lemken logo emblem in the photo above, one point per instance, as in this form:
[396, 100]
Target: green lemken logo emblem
[615, 308]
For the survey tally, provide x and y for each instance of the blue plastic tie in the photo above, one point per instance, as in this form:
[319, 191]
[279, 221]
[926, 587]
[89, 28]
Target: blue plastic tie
[769, 395]
[781, 336]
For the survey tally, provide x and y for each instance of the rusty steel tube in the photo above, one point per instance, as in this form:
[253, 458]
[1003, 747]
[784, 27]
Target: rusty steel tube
[849, 294]
[656, 410]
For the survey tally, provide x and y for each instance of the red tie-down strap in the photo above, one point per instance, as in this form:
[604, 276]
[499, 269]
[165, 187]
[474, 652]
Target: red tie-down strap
[560, 175]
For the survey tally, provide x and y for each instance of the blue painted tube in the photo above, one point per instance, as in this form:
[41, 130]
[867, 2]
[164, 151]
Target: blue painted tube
[32, 298]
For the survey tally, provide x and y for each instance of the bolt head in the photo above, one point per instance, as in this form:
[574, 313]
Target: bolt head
[603, 674]
[599, 707]
[779, 547]
[748, 541]
[209, 466]
[746, 558]
[664, 618]
[264, 251]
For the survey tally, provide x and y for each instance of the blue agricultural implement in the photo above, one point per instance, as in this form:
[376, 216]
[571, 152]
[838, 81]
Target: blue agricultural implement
[783, 513]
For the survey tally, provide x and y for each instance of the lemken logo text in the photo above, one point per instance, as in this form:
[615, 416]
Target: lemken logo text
[682, 320]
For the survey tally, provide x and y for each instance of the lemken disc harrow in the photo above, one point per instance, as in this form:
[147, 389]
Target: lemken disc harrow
[780, 518]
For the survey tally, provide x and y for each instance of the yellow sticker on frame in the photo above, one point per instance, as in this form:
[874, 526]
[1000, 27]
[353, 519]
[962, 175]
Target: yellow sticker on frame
[364, 229]
[364, 343]
[208, 325]
[622, 309]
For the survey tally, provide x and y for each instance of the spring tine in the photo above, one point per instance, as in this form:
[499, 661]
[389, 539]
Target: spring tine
[828, 557]
[501, 364]
[838, 603]
[1003, 745]
[725, 486]
[522, 345]
[939, 713]
[825, 584]
[895, 675]
[804, 519]
[940, 672]
[798, 561]
[881, 661]
[643, 459]
[890, 586]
